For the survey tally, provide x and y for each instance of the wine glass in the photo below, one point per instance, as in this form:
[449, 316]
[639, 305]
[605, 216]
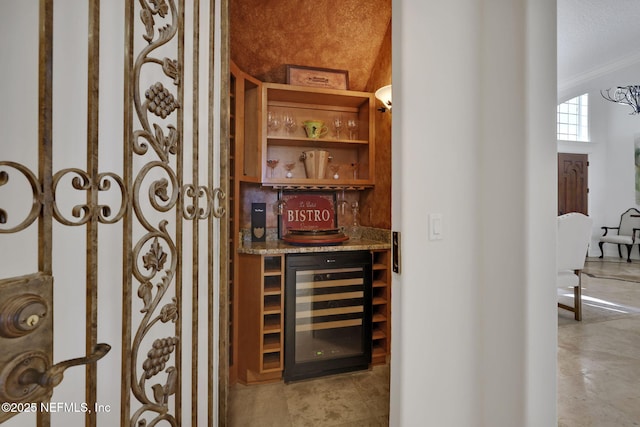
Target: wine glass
[335, 168]
[289, 122]
[273, 121]
[354, 168]
[279, 206]
[352, 125]
[342, 203]
[272, 163]
[338, 124]
[289, 166]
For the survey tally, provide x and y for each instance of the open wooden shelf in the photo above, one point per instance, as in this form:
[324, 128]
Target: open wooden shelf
[271, 362]
[305, 103]
[261, 344]
[381, 302]
[378, 334]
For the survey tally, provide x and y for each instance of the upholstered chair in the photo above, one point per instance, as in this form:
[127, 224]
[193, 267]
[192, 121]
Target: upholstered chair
[627, 233]
[574, 235]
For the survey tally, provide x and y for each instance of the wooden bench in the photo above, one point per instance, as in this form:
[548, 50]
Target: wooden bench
[628, 233]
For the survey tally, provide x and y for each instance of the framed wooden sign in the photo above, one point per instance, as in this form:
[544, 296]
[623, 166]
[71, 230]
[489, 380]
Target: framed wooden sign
[307, 211]
[317, 77]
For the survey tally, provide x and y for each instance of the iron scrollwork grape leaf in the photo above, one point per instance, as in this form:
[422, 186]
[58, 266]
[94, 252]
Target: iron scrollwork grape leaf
[168, 143]
[155, 258]
[172, 69]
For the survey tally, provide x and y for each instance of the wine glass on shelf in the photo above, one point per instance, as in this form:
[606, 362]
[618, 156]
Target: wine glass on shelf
[352, 125]
[289, 122]
[273, 121]
[272, 163]
[335, 168]
[338, 124]
[354, 168]
[289, 166]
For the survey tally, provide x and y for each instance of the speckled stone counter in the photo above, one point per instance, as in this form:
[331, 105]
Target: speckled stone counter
[279, 247]
[372, 239]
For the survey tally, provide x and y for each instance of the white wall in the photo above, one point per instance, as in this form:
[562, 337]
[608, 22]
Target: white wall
[474, 330]
[611, 163]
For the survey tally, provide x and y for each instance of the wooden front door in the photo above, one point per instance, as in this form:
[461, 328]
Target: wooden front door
[573, 183]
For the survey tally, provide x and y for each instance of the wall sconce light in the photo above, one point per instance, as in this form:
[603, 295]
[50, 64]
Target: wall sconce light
[384, 95]
[625, 95]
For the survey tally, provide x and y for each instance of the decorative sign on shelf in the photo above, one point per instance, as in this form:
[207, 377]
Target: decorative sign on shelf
[317, 77]
[307, 211]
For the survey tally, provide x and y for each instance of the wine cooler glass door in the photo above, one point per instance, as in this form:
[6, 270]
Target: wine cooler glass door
[328, 314]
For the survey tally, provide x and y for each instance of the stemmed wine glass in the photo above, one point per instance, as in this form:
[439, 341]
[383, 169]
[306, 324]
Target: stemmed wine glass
[273, 121]
[338, 124]
[342, 203]
[289, 121]
[280, 205]
[289, 166]
[335, 168]
[352, 125]
[354, 168]
[272, 163]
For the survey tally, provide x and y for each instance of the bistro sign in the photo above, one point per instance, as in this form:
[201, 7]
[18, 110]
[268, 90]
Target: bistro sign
[308, 211]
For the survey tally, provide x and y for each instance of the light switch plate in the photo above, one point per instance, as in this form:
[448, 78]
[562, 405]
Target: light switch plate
[435, 226]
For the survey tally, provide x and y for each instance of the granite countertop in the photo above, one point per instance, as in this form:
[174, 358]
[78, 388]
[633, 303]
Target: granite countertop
[272, 247]
[372, 238]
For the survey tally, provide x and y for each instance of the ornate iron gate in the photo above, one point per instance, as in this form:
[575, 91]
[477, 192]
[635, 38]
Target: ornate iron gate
[166, 192]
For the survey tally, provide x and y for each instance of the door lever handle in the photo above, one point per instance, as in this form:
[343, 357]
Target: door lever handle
[54, 375]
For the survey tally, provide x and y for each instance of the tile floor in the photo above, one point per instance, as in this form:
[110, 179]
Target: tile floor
[598, 370]
[599, 358]
[357, 399]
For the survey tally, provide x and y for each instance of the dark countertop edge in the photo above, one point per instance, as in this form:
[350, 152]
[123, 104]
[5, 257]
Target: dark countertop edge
[279, 247]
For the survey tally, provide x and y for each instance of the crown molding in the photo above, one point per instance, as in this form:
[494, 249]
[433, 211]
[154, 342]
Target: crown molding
[599, 71]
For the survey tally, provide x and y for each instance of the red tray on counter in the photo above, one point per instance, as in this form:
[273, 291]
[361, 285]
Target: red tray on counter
[315, 240]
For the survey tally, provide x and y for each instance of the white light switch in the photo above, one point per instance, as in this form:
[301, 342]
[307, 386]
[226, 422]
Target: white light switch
[435, 226]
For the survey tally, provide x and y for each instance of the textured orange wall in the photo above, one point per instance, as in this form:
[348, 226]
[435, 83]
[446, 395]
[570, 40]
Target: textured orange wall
[265, 35]
[376, 203]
